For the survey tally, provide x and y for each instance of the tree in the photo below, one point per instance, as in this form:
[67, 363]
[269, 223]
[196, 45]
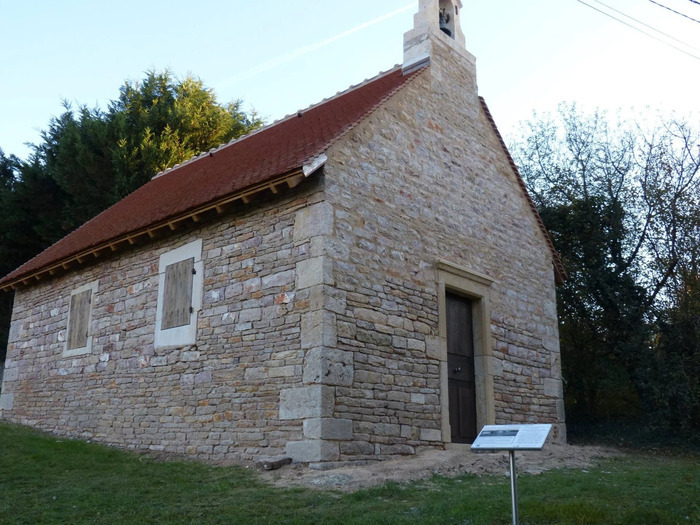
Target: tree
[673, 376]
[159, 122]
[88, 159]
[8, 178]
[621, 202]
[95, 158]
[75, 155]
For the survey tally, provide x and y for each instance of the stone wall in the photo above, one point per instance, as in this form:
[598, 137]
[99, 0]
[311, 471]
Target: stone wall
[217, 399]
[425, 178]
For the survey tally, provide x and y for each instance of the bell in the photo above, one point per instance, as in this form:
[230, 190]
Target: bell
[444, 19]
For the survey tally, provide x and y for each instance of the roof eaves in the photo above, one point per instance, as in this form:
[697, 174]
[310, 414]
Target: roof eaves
[291, 179]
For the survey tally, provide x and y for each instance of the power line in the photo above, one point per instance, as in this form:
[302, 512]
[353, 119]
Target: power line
[642, 23]
[677, 12]
[641, 30]
[695, 2]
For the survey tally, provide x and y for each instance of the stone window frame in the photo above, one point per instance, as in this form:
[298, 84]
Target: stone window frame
[477, 287]
[185, 334]
[82, 350]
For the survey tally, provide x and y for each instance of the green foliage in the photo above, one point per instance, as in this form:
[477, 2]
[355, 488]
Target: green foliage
[88, 159]
[47, 480]
[673, 373]
[159, 122]
[8, 178]
[74, 155]
[622, 202]
[601, 310]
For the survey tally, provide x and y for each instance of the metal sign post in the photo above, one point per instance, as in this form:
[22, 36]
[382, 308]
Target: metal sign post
[513, 487]
[512, 438]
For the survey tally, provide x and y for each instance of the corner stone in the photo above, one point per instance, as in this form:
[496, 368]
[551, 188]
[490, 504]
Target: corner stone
[328, 366]
[7, 401]
[313, 221]
[314, 401]
[312, 272]
[553, 388]
[328, 428]
[313, 450]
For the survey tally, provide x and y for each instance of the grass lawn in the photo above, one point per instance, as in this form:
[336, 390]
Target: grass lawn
[48, 480]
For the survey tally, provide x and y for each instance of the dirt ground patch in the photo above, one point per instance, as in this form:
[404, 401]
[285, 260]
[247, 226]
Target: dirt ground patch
[443, 462]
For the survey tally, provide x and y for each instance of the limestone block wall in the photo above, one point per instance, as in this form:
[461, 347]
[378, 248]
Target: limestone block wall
[217, 399]
[425, 178]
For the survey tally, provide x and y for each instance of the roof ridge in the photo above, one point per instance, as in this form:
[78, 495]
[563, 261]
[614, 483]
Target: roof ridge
[287, 117]
[349, 89]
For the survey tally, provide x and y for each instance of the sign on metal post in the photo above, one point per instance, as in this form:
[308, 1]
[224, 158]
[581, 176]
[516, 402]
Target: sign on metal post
[512, 438]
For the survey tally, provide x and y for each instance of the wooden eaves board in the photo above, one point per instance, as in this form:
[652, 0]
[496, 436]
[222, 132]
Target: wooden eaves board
[290, 179]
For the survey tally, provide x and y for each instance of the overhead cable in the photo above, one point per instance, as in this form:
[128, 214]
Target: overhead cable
[696, 57]
[677, 12]
[643, 24]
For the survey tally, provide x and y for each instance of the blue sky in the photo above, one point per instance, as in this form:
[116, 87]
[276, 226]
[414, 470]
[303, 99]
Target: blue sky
[282, 55]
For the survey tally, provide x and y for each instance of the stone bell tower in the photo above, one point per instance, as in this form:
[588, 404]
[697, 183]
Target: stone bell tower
[435, 20]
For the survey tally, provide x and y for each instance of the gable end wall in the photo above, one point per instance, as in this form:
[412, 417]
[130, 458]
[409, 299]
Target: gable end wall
[425, 179]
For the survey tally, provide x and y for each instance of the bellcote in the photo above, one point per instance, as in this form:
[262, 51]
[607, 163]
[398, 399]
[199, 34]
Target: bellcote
[435, 19]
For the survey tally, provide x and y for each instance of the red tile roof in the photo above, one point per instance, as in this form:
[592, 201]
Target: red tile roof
[275, 150]
[279, 149]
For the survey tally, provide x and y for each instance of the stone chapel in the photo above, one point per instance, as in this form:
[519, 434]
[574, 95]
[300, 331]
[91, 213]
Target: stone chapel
[362, 279]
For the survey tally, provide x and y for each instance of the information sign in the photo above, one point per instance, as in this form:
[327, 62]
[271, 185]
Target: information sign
[512, 437]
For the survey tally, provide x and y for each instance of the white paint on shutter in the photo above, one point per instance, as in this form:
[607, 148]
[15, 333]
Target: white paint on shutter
[180, 293]
[177, 296]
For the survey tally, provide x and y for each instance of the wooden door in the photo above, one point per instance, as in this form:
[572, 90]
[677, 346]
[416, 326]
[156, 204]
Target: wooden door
[460, 368]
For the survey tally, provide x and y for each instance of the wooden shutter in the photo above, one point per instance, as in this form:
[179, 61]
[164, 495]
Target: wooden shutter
[79, 317]
[177, 297]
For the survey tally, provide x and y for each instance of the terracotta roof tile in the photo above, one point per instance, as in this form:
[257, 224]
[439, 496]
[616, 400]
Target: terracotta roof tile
[275, 150]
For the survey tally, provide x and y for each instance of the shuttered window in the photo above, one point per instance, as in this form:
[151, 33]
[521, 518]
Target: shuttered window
[177, 296]
[78, 335]
[180, 289]
[79, 319]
